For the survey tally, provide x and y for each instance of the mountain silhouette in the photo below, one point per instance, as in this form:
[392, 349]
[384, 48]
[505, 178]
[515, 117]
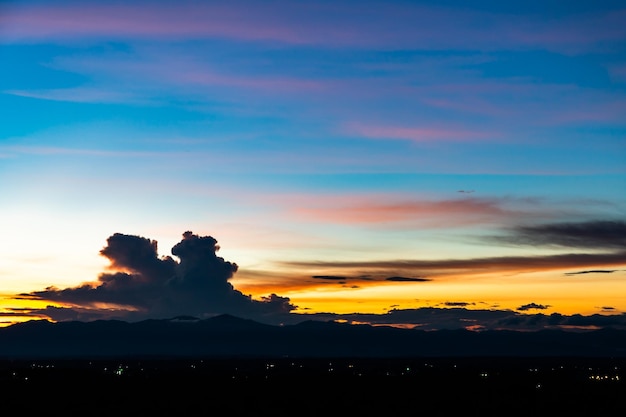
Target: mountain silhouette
[230, 336]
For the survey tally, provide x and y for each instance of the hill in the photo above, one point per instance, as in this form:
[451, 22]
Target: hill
[229, 336]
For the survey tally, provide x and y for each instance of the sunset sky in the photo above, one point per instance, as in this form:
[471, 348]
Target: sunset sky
[426, 163]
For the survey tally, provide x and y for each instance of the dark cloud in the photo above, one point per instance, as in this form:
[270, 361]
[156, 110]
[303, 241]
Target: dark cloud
[556, 320]
[595, 271]
[433, 318]
[330, 277]
[368, 278]
[599, 234]
[73, 313]
[603, 239]
[342, 279]
[406, 279]
[143, 285]
[608, 308]
[532, 306]
[501, 263]
[429, 318]
[18, 312]
[138, 256]
[457, 304]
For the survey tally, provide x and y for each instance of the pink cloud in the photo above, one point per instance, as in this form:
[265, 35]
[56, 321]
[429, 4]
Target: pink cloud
[269, 84]
[417, 134]
[136, 20]
[177, 68]
[313, 23]
[609, 111]
[389, 209]
[534, 105]
[281, 22]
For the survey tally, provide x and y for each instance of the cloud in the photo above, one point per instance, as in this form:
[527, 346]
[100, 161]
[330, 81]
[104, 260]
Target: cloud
[425, 318]
[595, 271]
[392, 209]
[532, 306]
[76, 313]
[330, 277]
[459, 317]
[79, 95]
[418, 134]
[464, 267]
[457, 304]
[343, 279]
[407, 279]
[556, 320]
[142, 285]
[455, 315]
[597, 234]
[330, 24]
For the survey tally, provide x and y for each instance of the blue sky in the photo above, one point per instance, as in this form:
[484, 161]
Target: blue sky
[326, 132]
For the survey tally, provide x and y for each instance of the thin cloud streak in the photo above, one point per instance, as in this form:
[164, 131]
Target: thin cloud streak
[418, 134]
[356, 24]
[54, 150]
[429, 213]
[597, 271]
[80, 95]
[504, 264]
[148, 74]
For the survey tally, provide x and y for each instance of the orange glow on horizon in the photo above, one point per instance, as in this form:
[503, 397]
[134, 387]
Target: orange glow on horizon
[560, 294]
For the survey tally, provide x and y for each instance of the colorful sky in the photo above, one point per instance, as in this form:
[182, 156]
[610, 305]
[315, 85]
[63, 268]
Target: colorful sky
[437, 164]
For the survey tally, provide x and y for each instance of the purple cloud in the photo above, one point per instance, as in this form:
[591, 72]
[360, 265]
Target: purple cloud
[331, 24]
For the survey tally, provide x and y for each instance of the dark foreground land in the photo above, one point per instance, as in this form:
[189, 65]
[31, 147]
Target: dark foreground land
[317, 387]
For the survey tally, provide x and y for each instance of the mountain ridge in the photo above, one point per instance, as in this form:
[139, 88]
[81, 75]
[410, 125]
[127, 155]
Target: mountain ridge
[227, 335]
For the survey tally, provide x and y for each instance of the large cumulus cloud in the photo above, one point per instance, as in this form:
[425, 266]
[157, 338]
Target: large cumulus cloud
[140, 284]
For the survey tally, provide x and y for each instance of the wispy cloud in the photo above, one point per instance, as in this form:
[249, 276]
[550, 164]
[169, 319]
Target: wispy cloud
[472, 266]
[57, 150]
[80, 95]
[378, 24]
[418, 134]
[428, 212]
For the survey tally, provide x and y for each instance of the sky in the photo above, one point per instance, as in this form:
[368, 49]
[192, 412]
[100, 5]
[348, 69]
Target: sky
[428, 164]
